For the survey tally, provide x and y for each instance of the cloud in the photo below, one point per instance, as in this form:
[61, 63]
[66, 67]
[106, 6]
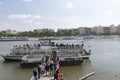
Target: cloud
[109, 12]
[36, 17]
[33, 22]
[28, 21]
[19, 16]
[23, 16]
[69, 5]
[39, 23]
[28, 0]
[69, 19]
[116, 1]
[5, 25]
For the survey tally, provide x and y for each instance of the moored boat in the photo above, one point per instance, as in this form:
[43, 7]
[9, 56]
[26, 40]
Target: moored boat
[19, 51]
[44, 46]
[8, 58]
[65, 58]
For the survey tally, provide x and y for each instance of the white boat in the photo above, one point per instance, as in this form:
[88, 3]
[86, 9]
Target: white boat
[19, 51]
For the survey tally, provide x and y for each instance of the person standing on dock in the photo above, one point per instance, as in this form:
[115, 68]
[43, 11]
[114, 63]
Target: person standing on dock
[42, 69]
[39, 70]
[60, 76]
[47, 68]
[57, 73]
[54, 68]
[35, 70]
[51, 67]
[82, 45]
[54, 54]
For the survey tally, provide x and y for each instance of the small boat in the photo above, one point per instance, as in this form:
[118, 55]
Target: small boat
[89, 37]
[69, 38]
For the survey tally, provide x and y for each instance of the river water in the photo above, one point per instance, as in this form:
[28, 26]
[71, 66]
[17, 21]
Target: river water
[105, 60]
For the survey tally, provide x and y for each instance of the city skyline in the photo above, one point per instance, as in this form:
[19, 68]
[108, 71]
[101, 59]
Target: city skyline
[26, 15]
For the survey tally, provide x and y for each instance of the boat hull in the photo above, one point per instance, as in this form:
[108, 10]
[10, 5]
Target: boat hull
[61, 63]
[69, 63]
[85, 56]
[29, 64]
[12, 58]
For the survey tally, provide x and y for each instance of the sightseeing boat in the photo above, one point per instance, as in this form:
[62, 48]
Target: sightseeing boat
[19, 51]
[45, 46]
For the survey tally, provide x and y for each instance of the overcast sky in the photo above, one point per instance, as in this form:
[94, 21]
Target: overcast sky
[25, 15]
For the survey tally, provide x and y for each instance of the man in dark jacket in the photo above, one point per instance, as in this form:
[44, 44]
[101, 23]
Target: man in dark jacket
[39, 70]
[35, 73]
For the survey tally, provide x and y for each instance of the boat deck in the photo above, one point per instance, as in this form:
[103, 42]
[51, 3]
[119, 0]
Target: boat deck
[44, 77]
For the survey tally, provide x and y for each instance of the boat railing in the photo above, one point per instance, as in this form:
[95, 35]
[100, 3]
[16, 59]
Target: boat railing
[67, 53]
[67, 47]
[33, 50]
[34, 56]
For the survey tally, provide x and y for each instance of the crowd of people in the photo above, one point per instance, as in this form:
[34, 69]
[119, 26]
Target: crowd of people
[27, 46]
[50, 67]
[38, 46]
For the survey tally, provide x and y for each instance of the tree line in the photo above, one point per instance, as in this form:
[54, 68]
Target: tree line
[40, 33]
[48, 32]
